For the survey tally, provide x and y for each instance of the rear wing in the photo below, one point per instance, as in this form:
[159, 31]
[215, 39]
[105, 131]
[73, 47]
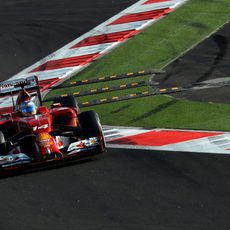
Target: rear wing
[12, 87]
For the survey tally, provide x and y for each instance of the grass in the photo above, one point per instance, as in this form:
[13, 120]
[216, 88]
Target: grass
[166, 112]
[155, 47]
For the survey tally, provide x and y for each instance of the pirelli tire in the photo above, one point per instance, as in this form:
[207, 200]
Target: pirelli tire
[2, 137]
[5, 146]
[90, 125]
[68, 101]
[28, 146]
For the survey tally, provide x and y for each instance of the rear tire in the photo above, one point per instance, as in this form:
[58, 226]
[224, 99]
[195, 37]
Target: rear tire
[68, 101]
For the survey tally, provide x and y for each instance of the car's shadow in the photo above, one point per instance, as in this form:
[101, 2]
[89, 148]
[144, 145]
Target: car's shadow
[19, 172]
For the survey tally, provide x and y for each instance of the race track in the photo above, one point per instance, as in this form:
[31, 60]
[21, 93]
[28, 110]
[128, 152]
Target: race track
[208, 61]
[122, 189]
[32, 29]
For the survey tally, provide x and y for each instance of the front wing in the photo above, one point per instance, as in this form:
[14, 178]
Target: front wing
[77, 150]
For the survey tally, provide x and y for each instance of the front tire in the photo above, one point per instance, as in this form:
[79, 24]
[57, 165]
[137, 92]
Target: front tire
[5, 146]
[90, 125]
[28, 146]
[2, 138]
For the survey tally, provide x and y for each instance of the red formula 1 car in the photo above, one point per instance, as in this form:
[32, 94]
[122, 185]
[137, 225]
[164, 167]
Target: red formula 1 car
[34, 135]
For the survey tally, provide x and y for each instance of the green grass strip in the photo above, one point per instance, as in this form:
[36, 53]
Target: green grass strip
[155, 47]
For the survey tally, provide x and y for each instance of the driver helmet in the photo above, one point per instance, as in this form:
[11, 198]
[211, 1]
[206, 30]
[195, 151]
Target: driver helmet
[28, 108]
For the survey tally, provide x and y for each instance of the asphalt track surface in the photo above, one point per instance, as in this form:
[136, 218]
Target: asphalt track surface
[32, 29]
[208, 60]
[123, 189]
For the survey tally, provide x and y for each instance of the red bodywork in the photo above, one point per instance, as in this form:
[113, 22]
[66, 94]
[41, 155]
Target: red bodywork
[46, 137]
[40, 125]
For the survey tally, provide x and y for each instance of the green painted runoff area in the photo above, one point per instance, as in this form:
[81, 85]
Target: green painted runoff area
[156, 47]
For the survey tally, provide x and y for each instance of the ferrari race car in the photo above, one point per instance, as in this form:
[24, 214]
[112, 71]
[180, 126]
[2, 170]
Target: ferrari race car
[33, 135]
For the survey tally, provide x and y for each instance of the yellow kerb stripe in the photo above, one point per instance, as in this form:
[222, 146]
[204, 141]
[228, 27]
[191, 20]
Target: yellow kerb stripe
[114, 76]
[122, 86]
[93, 90]
[146, 92]
[175, 88]
[73, 83]
[76, 93]
[129, 74]
[64, 95]
[163, 90]
[101, 78]
[102, 100]
[142, 71]
[85, 103]
[114, 98]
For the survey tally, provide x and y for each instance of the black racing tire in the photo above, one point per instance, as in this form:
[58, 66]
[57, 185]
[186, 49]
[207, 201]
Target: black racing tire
[90, 125]
[68, 101]
[5, 146]
[28, 146]
[2, 138]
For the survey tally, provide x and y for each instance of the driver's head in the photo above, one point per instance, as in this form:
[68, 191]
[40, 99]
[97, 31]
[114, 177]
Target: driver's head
[28, 108]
